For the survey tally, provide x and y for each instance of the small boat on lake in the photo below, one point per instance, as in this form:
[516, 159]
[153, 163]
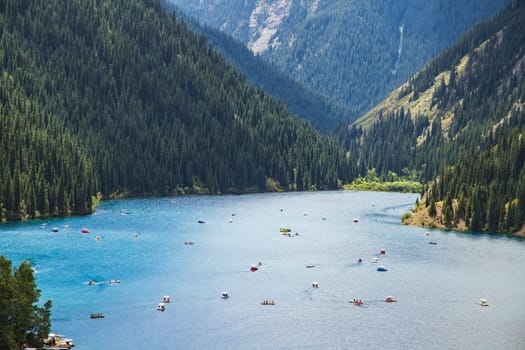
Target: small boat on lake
[483, 302]
[201, 222]
[382, 251]
[225, 295]
[357, 302]
[161, 307]
[375, 260]
[98, 315]
[381, 268]
[114, 281]
[188, 243]
[267, 302]
[390, 299]
[84, 230]
[166, 299]
[285, 229]
[432, 242]
[54, 229]
[310, 266]
[253, 268]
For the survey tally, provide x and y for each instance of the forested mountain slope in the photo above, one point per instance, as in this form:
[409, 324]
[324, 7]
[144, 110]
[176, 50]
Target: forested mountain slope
[461, 122]
[323, 116]
[117, 97]
[353, 52]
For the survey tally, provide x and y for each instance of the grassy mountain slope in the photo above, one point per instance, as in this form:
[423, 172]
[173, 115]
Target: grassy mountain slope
[117, 97]
[461, 122]
[351, 52]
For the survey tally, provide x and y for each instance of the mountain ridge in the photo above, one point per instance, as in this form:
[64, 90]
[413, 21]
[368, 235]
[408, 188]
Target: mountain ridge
[351, 52]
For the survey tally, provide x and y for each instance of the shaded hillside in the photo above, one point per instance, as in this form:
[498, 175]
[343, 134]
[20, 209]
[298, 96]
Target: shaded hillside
[117, 97]
[298, 100]
[351, 52]
[460, 121]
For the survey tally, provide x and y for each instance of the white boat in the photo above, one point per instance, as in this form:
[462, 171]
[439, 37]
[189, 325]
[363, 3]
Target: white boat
[225, 295]
[375, 260]
[161, 307]
[166, 299]
[483, 302]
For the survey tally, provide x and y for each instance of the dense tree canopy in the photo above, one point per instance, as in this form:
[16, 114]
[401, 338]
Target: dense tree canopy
[117, 97]
[470, 140]
[22, 320]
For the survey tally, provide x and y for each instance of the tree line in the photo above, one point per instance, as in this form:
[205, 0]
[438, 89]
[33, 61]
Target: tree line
[119, 98]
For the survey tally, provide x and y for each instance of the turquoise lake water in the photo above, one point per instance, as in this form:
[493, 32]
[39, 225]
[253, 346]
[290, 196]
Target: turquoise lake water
[438, 286]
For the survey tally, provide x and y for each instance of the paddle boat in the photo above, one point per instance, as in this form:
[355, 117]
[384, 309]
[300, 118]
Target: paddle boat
[382, 251]
[390, 299]
[375, 260]
[483, 302]
[267, 302]
[357, 302]
[84, 230]
[381, 268]
[315, 284]
[161, 307]
[166, 299]
[253, 268]
[225, 295]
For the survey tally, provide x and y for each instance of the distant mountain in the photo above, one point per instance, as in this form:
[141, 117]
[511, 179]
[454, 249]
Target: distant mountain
[461, 122]
[352, 52]
[115, 97]
[299, 100]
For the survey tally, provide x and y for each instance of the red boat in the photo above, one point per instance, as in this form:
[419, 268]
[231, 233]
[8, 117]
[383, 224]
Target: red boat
[253, 268]
[85, 230]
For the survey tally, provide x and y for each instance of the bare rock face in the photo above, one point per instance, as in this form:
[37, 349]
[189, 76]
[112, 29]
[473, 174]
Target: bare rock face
[265, 20]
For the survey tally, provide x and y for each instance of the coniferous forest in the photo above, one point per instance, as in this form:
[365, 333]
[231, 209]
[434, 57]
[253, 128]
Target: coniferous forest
[459, 123]
[119, 98]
